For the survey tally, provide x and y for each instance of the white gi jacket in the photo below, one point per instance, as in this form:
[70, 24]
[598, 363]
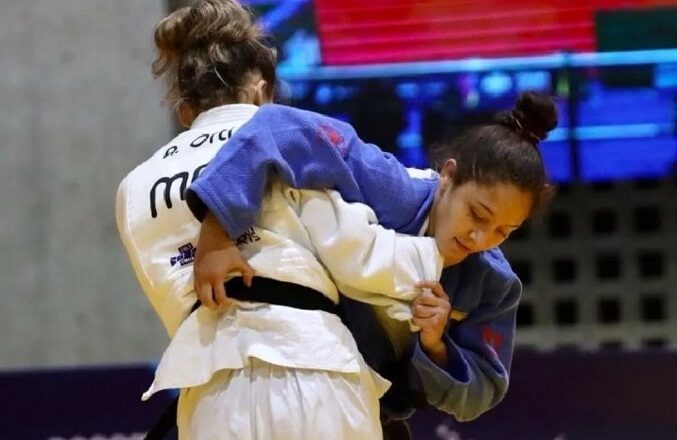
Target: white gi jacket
[365, 260]
[311, 238]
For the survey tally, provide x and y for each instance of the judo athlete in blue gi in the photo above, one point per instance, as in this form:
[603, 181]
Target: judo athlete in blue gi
[492, 180]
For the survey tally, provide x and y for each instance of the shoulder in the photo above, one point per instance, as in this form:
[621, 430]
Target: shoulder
[497, 278]
[497, 265]
[295, 116]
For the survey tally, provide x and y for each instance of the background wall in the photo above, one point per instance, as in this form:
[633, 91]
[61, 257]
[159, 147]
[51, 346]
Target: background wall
[79, 110]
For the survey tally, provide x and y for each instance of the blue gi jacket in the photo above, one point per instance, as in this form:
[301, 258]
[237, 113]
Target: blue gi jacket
[309, 150]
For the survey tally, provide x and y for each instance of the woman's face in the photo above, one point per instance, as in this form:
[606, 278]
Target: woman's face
[472, 217]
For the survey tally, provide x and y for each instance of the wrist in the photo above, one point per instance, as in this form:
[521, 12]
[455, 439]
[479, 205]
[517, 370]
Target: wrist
[437, 352]
[212, 226]
[434, 347]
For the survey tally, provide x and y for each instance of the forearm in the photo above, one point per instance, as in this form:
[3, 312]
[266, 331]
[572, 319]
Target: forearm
[478, 352]
[466, 386]
[305, 150]
[211, 229]
[361, 255]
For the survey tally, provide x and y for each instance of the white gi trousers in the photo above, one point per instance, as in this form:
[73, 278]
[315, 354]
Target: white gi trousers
[268, 372]
[266, 401]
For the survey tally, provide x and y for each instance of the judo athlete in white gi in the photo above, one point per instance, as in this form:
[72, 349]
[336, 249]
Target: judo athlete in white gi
[256, 370]
[263, 371]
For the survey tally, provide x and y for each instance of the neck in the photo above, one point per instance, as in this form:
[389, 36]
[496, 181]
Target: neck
[430, 231]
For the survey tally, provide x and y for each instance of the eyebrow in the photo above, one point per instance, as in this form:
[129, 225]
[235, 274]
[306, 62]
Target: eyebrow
[491, 212]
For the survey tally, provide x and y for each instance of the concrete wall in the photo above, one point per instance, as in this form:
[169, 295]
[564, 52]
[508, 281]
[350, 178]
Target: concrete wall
[79, 110]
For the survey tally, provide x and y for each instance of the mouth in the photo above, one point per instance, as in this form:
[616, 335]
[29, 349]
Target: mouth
[462, 247]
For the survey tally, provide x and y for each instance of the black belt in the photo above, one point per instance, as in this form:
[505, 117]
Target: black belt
[264, 290]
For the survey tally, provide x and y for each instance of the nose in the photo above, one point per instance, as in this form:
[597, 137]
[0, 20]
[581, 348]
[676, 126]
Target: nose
[477, 238]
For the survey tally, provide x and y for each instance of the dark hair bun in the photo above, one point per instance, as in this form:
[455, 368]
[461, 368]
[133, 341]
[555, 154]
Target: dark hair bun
[535, 114]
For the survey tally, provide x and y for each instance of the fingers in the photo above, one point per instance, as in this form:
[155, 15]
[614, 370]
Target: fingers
[429, 284]
[426, 306]
[220, 297]
[247, 273]
[204, 294]
[429, 300]
[427, 323]
[434, 286]
[210, 286]
[422, 311]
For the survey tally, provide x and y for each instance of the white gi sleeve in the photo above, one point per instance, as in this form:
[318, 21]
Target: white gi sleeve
[124, 229]
[171, 307]
[367, 262]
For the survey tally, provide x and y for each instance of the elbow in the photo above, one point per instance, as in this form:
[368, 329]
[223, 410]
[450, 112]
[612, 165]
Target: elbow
[473, 403]
[468, 413]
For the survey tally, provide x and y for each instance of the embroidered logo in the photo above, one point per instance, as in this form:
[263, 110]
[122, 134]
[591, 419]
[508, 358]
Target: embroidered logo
[491, 337]
[248, 237]
[186, 255]
[334, 138]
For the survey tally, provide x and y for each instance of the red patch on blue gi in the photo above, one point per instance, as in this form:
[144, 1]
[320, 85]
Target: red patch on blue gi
[335, 138]
[491, 337]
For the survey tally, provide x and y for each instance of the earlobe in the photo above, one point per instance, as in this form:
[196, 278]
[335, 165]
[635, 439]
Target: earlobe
[447, 173]
[261, 95]
[449, 168]
[185, 114]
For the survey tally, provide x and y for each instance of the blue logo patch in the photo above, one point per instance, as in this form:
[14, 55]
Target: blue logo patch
[186, 255]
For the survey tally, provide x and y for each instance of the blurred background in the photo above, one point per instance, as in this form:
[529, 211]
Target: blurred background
[597, 326]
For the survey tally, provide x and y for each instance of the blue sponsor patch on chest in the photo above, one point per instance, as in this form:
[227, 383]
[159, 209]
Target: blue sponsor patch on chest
[186, 255]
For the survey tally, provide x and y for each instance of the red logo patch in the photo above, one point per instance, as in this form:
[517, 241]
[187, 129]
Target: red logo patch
[491, 337]
[334, 136]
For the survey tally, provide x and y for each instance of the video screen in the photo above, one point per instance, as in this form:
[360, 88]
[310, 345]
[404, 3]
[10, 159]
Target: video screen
[409, 74]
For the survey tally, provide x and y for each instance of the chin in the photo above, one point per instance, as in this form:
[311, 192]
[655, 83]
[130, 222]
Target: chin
[452, 260]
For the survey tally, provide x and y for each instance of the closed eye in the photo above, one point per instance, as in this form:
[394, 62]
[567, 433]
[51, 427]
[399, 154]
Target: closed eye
[478, 218]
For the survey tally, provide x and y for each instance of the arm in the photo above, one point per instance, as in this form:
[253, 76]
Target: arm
[479, 355]
[306, 150]
[215, 247]
[367, 262]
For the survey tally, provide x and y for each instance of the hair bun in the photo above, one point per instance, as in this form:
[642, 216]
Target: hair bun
[535, 114]
[220, 22]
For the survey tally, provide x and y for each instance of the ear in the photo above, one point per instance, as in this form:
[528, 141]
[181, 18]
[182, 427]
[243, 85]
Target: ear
[185, 114]
[262, 93]
[447, 173]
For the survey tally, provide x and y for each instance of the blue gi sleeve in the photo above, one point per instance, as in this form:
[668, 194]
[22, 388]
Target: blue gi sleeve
[480, 350]
[307, 150]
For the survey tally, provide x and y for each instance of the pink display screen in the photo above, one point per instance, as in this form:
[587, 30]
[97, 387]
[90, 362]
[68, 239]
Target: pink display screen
[387, 31]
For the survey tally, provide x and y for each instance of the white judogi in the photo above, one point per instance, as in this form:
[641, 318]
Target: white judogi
[261, 371]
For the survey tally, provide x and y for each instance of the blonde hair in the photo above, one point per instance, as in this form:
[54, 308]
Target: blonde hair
[207, 52]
